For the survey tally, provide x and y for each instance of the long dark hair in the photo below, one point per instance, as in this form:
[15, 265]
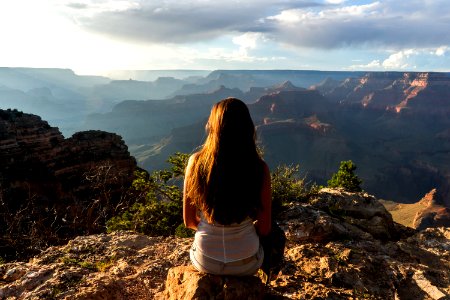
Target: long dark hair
[226, 175]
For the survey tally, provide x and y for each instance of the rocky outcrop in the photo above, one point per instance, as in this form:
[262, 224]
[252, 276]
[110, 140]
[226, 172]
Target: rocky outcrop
[424, 93]
[427, 212]
[184, 282]
[282, 105]
[116, 266]
[325, 86]
[336, 214]
[52, 188]
[433, 214]
[340, 246]
[428, 93]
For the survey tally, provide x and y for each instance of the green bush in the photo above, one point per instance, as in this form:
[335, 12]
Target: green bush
[287, 186]
[158, 209]
[183, 231]
[346, 178]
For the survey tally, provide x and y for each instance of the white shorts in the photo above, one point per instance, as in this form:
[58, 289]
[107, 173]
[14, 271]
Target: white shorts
[244, 267]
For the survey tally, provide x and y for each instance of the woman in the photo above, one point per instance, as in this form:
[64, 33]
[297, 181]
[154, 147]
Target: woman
[227, 194]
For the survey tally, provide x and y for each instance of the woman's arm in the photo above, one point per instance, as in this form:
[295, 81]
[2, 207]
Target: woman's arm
[190, 217]
[264, 217]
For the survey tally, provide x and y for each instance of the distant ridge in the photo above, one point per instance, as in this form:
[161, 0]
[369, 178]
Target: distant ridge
[151, 75]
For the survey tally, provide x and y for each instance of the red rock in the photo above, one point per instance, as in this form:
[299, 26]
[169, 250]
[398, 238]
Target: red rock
[184, 282]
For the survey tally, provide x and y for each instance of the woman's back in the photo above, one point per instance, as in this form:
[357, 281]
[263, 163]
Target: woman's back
[227, 188]
[224, 177]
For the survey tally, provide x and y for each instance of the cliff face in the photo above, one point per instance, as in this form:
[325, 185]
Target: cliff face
[340, 246]
[423, 93]
[53, 188]
[426, 213]
[433, 214]
[281, 105]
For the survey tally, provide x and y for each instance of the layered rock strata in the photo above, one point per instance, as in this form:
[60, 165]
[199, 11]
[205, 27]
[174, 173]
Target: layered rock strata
[52, 188]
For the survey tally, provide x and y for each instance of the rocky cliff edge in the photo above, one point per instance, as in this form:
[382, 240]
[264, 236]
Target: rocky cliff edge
[340, 246]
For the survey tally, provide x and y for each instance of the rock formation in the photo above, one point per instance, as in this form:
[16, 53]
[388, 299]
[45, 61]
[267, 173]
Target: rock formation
[424, 93]
[427, 212]
[340, 246]
[184, 282]
[433, 214]
[52, 188]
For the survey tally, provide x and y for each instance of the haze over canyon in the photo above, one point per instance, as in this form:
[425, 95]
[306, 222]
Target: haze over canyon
[394, 125]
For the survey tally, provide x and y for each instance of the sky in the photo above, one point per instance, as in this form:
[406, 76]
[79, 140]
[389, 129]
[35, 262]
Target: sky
[94, 36]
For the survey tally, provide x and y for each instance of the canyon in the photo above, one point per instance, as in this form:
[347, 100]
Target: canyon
[393, 125]
[56, 193]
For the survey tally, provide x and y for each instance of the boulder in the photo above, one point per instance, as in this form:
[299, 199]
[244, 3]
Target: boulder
[358, 209]
[185, 282]
[335, 214]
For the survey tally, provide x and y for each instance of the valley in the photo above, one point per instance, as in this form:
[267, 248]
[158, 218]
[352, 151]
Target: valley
[393, 125]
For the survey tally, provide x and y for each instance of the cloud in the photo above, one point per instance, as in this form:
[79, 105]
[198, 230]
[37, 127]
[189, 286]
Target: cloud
[77, 5]
[176, 21]
[380, 24]
[325, 24]
[247, 42]
[407, 59]
[373, 65]
[399, 60]
[335, 1]
[441, 51]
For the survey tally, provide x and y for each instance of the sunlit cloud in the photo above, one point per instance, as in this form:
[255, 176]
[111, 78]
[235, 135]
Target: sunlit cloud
[399, 60]
[441, 51]
[373, 65]
[404, 59]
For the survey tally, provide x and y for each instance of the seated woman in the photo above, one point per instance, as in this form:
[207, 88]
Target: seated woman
[227, 194]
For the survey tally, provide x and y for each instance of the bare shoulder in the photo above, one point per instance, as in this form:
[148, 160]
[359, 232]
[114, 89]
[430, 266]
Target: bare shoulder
[191, 161]
[192, 158]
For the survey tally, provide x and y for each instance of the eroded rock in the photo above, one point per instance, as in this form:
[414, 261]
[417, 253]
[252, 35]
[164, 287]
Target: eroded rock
[52, 188]
[326, 258]
[184, 282]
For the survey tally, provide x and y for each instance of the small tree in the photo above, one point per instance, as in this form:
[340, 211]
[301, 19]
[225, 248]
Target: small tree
[158, 209]
[346, 178]
[287, 186]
